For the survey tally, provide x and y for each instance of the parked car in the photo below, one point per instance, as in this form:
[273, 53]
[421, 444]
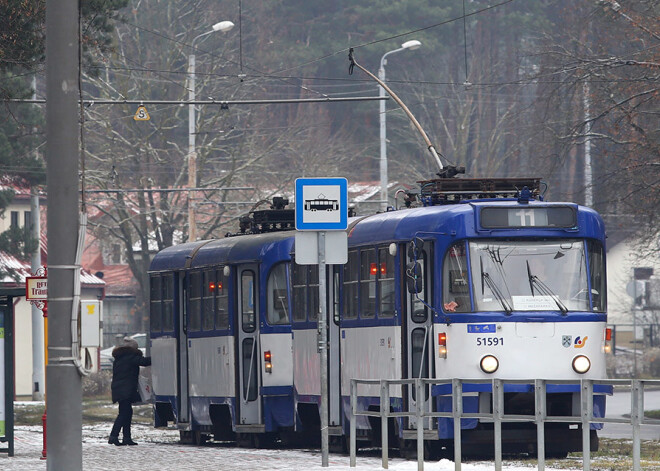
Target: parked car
[106, 357]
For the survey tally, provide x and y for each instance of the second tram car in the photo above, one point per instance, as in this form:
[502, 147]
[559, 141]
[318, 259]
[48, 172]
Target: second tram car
[482, 280]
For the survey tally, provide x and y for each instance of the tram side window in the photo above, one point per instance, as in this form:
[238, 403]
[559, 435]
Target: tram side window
[299, 275]
[221, 302]
[386, 283]
[168, 303]
[597, 276]
[313, 292]
[350, 302]
[155, 304]
[194, 301]
[455, 286]
[208, 316]
[368, 273]
[278, 297]
[248, 297]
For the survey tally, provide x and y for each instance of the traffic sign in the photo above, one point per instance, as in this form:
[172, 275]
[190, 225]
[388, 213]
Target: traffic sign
[321, 204]
[141, 114]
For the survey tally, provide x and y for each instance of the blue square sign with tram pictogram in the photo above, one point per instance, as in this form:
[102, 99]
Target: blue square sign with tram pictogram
[321, 204]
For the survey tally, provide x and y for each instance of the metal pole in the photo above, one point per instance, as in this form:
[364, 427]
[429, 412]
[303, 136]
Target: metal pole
[38, 368]
[636, 415]
[353, 425]
[384, 415]
[383, 139]
[588, 183]
[62, 136]
[323, 349]
[419, 391]
[38, 373]
[457, 411]
[541, 412]
[498, 406]
[192, 155]
[587, 401]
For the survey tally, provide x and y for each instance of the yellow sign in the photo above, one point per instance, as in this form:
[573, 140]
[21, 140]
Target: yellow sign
[141, 114]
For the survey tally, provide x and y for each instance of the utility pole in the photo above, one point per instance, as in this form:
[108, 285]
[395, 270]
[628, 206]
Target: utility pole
[64, 426]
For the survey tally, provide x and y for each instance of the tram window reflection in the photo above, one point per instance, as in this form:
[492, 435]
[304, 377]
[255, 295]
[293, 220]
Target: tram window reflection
[368, 273]
[543, 275]
[386, 283]
[299, 281]
[208, 314]
[350, 293]
[194, 301]
[248, 297]
[168, 303]
[278, 299]
[155, 303]
[418, 302]
[455, 290]
[221, 301]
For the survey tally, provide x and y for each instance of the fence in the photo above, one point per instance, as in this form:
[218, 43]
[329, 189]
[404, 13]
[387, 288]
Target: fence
[497, 415]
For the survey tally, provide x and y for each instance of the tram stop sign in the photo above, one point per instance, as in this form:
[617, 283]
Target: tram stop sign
[321, 205]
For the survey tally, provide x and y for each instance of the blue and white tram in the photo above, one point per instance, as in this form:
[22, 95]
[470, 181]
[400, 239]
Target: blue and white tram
[482, 281]
[219, 313]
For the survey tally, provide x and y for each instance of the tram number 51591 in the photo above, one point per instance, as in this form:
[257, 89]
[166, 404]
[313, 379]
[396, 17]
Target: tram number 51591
[489, 341]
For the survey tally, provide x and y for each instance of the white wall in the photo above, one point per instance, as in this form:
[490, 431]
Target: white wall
[621, 259]
[23, 345]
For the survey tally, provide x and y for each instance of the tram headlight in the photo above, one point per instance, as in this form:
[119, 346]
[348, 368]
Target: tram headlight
[489, 364]
[581, 364]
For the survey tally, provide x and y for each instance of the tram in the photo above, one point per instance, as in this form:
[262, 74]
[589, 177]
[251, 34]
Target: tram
[473, 279]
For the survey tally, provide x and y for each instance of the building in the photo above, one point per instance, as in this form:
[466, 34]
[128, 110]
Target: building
[14, 272]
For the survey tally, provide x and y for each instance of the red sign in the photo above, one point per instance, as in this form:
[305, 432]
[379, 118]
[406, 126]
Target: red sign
[36, 288]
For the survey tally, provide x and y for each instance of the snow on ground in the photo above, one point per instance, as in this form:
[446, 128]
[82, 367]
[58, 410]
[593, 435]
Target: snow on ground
[160, 450]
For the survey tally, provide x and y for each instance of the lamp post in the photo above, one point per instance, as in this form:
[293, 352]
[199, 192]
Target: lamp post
[412, 45]
[222, 26]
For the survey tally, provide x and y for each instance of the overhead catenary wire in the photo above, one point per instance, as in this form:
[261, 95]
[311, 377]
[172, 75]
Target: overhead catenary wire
[102, 101]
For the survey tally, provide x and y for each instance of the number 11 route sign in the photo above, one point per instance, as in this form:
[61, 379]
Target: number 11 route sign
[321, 204]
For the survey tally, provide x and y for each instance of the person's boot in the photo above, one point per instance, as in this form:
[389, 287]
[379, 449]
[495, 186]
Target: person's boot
[113, 440]
[128, 441]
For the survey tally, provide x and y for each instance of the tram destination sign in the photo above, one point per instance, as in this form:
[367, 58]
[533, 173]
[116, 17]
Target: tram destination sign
[545, 216]
[321, 204]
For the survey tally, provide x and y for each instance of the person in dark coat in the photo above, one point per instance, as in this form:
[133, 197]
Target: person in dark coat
[128, 359]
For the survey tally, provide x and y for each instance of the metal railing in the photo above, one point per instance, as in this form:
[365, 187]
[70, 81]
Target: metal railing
[497, 416]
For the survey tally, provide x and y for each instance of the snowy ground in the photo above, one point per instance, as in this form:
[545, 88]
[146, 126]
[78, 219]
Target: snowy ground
[160, 450]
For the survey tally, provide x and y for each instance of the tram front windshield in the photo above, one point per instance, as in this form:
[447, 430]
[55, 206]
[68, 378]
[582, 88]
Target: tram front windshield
[530, 276]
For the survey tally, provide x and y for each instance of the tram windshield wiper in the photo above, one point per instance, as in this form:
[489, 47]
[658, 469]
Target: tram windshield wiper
[485, 277]
[544, 289]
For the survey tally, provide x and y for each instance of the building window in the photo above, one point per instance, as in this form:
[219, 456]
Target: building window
[14, 218]
[115, 254]
[27, 218]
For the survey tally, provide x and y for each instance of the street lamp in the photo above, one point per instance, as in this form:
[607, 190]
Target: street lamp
[412, 45]
[222, 26]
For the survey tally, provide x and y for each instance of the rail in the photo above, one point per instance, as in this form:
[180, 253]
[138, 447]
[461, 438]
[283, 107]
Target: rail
[497, 415]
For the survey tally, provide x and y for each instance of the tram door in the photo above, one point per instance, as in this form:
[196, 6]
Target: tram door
[418, 323]
[182, 351]
[249, 366]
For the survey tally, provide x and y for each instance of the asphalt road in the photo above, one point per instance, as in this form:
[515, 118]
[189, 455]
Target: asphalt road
[619, 405]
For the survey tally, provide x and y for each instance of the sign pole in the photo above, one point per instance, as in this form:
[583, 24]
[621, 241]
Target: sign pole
[323, 349]
[322, 210]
